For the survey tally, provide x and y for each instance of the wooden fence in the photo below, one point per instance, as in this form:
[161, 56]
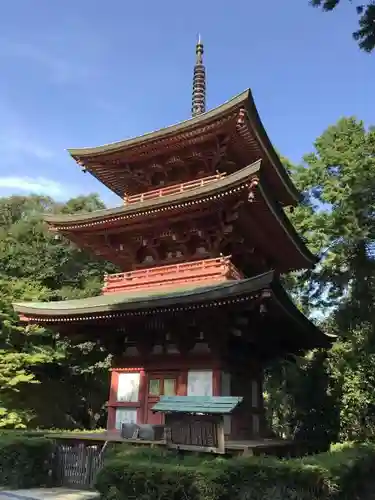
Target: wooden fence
[77, 464]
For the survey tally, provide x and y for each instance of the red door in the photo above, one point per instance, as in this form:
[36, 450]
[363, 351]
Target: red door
[159, 385]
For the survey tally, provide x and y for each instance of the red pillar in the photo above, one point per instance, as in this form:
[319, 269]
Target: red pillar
[216, 382]
[111, 419]
[142, 397]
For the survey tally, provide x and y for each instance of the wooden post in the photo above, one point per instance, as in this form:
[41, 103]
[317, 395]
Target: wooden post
[220, 435]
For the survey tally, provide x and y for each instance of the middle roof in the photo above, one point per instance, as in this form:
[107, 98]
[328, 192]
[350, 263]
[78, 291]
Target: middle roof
[243, 196]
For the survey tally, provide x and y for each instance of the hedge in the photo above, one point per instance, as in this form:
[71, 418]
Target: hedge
[25, 462]
[339, 474]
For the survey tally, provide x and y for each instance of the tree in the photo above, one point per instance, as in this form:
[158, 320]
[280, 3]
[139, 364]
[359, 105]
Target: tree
[36, 363]
[29, 250]
[365, 35]
[337, 218]
[21, 350]
[338, 212]
[299, 401]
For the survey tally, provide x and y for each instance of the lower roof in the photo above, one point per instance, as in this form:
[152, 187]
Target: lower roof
[144, 299]
[178, 298]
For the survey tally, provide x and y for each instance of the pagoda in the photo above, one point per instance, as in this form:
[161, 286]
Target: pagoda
[201, 239]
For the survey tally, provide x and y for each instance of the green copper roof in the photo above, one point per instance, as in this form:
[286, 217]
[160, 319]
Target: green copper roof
[144, 299]
[294, 322]
[236, 101]
[219, 405]
[243, 100]
[173, 201]
[223, 184]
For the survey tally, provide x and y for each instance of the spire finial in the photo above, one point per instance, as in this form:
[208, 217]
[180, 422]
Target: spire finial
[199, 81]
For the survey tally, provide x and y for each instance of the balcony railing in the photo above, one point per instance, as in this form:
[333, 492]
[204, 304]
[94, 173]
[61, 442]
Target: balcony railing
[175, 189]
[200, 271]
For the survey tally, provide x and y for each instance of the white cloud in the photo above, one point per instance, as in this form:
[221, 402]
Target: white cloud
[39, 185]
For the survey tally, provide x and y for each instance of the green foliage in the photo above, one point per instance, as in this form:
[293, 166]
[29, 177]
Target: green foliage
[35, 363]
[21, 350]
[130, 452]
[339, 474]
[28, 250]
[337, 220]
[352, 373]
[25, 462]
[293, 415]
[365, 35]
[336, 217]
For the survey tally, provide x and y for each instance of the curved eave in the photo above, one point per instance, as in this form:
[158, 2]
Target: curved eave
[141, 300]
[262, 136]
[164, 133]
[244, 100]
[288, 227]
[81, 221]
[285, 303]
[176, 299]
[84, 222]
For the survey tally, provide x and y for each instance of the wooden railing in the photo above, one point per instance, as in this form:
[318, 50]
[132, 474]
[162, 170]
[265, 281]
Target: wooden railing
[207, 270]
[175, 189]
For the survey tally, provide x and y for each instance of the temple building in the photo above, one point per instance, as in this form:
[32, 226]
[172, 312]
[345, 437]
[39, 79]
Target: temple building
[201, 238]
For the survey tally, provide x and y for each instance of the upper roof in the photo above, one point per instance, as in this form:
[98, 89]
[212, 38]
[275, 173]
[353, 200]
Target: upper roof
[192, 129]
[178, 298]
[188, 125]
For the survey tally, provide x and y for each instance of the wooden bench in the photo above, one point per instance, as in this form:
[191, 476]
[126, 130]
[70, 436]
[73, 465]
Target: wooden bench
[196, 423]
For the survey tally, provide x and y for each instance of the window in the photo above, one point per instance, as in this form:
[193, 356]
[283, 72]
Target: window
[162, 387]
[169, 387]
[154, 387]
[199, 383]
[128, 387]
[125, 416]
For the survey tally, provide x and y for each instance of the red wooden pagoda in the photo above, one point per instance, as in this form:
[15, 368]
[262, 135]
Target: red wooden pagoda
[201, 239]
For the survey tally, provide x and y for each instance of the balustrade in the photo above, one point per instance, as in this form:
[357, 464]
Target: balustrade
[175, 189]
[207, 270]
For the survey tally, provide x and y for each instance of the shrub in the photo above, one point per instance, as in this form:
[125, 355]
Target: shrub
[345, 468]
[160, 454]
[25, 461]
[156, 474]
[20, 433]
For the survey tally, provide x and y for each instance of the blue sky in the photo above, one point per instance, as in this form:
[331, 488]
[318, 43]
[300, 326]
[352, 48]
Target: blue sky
[87, 72]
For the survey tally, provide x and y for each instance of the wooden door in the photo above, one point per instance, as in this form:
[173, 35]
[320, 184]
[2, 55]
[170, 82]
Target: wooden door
[159, 385]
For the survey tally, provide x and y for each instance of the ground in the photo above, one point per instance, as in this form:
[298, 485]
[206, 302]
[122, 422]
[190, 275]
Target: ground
[47, 494]
[68, 494]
